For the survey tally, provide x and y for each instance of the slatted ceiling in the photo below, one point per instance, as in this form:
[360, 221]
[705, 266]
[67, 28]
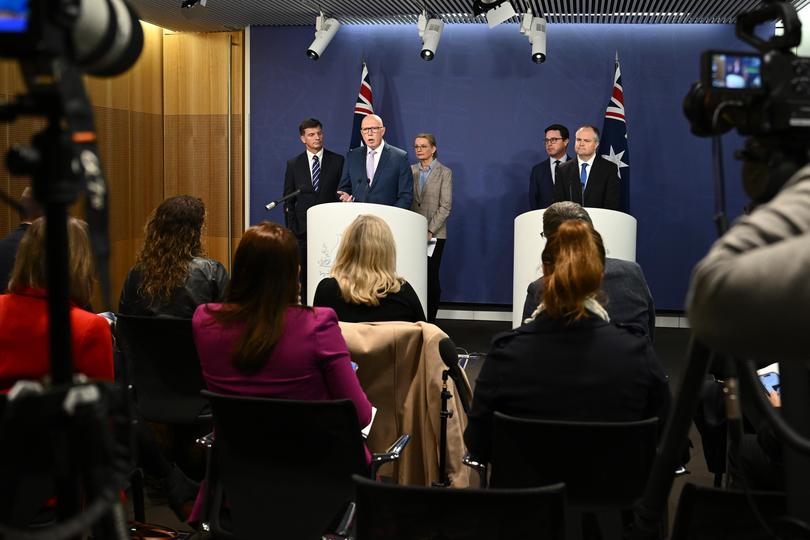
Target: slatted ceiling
[222, 15]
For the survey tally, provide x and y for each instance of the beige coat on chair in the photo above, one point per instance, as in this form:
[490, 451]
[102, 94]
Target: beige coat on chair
[436, 200]
[400, 370]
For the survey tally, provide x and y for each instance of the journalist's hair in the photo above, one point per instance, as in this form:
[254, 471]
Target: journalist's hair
[572, 270]
[366, 260]
[31, 265]
[558, 127]
[432, 140]
[172, 238]
[562, 211]
[30, 209]
[309, 123]
[264, 283]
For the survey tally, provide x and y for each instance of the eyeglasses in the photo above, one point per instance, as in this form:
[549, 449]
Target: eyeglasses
[369, 130]
[542, 234]
[421, 147]
[552, 140]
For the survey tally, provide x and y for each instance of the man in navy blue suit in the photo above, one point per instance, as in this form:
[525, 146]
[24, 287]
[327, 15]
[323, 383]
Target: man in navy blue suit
[541, 182]
[377, 172]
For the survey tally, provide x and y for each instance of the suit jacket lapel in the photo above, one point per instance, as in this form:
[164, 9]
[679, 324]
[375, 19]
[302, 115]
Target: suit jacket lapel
[304, 174]
[417, 193]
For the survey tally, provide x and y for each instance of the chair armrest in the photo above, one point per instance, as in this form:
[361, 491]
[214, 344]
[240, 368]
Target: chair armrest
[480, 468]
[207, 441]
[393, 453]
[342, 527]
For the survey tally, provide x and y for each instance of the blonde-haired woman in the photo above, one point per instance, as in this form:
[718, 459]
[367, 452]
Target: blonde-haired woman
[364, 286]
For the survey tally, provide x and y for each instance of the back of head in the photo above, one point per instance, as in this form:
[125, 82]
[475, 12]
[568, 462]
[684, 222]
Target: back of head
[172, 238]
[366, 260]
[264, 283]
[559, 212]
[30, 266]
[572, 266]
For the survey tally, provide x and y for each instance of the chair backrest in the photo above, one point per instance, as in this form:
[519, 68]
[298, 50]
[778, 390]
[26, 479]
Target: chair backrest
[601, 463]
[285, 465]
[416, 512]
[163, 365]
[706, 513]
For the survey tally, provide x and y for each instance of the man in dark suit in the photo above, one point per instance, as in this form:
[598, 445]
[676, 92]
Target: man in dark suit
[29, 211]
[541, 182]
[589, 180]
[629, 300]
[316, 173]
[377, 172]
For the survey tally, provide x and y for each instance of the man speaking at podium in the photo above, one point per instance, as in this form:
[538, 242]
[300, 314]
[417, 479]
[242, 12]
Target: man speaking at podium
[589, 180]
[377, 172]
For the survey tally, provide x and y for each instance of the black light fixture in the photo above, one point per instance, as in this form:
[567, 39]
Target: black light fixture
[497, 11]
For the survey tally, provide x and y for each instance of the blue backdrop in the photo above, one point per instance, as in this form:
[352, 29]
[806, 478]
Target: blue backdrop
[487, 104]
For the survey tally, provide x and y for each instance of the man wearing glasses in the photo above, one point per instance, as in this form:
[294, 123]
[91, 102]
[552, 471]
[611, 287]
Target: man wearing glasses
[377, 172]
[589, 180]
[541, 182]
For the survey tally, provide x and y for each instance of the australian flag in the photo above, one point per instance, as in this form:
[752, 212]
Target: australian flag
[362, 108]
[613, 145]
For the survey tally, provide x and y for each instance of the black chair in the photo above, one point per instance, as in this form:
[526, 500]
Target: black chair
[284, 466]
[604, 465]
[706, 513]
[161, 363]
[415, 512]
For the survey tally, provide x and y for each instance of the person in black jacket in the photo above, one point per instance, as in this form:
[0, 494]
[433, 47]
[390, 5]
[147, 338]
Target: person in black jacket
[171, 275]
[570, 362]
[364, 286]
[316, 172]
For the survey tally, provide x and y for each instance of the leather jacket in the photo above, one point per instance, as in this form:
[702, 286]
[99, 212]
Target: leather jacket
[205, 283]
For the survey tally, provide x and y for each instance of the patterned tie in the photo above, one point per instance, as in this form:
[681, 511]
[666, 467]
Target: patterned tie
[370, 166]
[316, 172]
[583, 176]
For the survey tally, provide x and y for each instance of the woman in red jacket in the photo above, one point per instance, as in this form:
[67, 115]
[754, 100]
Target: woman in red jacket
[24, 344]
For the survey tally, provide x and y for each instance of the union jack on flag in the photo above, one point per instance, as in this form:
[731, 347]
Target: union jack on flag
[613, 145]
[362, 108]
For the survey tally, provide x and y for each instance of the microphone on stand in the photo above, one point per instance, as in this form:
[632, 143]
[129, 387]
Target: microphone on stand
[273, 204]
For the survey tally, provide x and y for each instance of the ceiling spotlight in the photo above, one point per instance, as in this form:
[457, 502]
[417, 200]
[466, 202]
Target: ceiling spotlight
[186, 4]
[325, 30]
[497, 11]
[535, 29]
[430, 30]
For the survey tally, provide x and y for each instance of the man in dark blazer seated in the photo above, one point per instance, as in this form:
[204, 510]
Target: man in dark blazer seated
[541, 182]
[590, 173]
[628, 297]
[316, 172]
[377, 172]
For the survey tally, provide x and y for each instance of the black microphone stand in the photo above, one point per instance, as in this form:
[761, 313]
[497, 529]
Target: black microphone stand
[444, 414]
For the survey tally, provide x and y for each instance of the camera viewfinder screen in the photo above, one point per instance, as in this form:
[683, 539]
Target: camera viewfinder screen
[736, 71]
[14, 16]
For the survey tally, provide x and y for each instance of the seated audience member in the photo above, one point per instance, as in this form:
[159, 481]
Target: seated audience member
[29, 211]
[24, 338]
[261, 342]
[171, 275]
[364, 286]
[569, 362]
[628, 297]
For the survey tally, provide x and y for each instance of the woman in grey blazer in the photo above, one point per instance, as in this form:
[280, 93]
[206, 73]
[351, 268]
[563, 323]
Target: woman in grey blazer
[433, 198]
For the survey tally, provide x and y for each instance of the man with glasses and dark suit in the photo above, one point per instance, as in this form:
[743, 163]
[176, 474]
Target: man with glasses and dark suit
[541, 182]
[377, 172]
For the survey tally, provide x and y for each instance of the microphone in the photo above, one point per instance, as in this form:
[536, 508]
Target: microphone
[447, 350]
[273, 204]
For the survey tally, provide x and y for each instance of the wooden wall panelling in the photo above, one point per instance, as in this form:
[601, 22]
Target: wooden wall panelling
[237, 139]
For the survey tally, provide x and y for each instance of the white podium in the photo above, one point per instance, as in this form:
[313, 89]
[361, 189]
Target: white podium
[325, 226]
[618, 232]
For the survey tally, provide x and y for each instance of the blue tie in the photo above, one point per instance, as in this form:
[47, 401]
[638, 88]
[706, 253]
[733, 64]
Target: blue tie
[316, 173]
[583, 176]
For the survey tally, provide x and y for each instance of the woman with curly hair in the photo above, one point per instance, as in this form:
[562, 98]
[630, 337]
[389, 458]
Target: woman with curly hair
[171, 275]
[364, 286]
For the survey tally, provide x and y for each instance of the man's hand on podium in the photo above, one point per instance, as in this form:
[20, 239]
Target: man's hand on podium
[345, 197]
